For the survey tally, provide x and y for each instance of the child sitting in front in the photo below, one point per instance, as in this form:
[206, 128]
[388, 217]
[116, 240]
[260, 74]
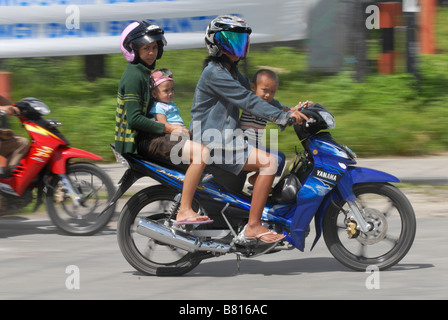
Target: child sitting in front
[264, 85]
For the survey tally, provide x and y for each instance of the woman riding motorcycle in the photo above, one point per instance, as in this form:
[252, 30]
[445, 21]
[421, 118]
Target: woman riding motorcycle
[220, 93]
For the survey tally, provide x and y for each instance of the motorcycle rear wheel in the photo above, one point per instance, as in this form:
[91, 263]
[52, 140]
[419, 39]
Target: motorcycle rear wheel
[85, 219]
[145, 254]
[390, 213]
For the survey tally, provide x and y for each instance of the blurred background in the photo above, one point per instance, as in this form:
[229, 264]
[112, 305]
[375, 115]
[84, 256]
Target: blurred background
[381, 67]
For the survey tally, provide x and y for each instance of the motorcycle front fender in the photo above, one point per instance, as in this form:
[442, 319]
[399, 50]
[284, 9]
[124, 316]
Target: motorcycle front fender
[355, 175]
[60, 157]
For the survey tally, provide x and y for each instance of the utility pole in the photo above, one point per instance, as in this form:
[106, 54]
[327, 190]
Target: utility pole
[360, 39]
[410, 10]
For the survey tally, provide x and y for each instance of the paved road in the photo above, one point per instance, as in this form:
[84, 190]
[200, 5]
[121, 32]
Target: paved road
[37, 262]
[35, 257]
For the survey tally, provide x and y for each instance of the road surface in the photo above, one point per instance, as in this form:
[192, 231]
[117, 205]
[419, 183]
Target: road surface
[38, 262]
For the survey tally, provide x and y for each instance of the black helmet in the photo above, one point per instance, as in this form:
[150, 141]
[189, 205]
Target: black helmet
[286, 189]
[136, 35]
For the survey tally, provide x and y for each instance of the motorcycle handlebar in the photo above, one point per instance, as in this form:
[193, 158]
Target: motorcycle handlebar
[291, 121]
[5, 113]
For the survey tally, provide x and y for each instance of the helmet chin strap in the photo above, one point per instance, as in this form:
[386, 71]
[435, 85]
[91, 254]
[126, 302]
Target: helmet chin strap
[227, 60]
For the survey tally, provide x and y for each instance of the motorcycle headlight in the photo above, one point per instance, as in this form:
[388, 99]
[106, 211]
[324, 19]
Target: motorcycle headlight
[328, 118]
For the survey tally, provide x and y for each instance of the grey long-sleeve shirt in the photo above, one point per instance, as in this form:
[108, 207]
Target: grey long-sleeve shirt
[218, 98]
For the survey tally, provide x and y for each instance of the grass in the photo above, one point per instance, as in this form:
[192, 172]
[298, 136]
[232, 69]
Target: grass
[384, 115]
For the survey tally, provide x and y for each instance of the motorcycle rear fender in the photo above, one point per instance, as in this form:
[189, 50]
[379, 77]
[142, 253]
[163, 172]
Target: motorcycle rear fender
[344, 190]
[58, 162]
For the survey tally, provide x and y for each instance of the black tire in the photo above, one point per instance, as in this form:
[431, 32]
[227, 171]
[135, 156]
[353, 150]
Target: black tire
[389, 211]
[83, 220]
[144, 254]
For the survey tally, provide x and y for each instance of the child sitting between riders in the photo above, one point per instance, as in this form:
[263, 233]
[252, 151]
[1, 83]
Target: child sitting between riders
[163, 108]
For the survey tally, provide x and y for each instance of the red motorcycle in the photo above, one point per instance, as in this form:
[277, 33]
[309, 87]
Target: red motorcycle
[75, 193]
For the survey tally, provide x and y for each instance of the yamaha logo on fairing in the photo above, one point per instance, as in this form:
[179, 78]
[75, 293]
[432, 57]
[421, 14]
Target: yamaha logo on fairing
[326, 175]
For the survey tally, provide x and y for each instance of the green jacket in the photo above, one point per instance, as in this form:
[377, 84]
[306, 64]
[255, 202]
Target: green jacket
[133, 99]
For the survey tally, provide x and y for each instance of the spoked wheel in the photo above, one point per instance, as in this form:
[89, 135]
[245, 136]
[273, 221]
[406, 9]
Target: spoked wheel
[145, 254]
[392, 232]
[85, 218]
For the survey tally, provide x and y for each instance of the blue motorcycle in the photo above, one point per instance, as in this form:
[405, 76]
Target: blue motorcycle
[365, 220]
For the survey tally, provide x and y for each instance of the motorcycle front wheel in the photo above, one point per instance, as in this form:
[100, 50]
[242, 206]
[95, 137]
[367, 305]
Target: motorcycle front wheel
[143, 253]
[393, 227]
[96, 188]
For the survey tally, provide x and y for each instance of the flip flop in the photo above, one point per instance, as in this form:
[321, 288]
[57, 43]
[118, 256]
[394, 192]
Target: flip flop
[188, 221]
[242, 238]
[258, 237]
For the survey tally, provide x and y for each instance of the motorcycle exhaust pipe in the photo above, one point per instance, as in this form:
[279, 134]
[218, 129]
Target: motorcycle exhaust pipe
[179, 239]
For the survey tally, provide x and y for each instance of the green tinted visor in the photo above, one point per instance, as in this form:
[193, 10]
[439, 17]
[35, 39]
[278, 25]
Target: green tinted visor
[233, 43]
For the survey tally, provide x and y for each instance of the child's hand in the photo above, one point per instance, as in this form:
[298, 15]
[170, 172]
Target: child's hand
[176, 129]
[302, 105]
[180, 131]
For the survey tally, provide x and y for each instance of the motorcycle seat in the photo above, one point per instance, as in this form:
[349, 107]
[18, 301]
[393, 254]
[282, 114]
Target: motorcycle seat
[228, 181]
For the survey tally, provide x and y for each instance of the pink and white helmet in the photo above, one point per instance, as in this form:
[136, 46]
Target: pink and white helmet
[138, 34]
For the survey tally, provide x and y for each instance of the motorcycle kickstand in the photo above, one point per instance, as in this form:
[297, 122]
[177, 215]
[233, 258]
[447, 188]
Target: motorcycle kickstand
[238, 262]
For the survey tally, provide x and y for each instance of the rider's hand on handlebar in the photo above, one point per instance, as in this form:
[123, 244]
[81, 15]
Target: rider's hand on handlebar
[299, 116]
[9, 110]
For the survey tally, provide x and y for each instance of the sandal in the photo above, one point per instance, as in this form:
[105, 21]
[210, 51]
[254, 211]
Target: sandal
[192, 220]
[243, 239]
[270, 232]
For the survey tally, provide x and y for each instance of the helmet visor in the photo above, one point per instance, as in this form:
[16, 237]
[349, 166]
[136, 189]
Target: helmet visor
[233, 43]
[146, 39]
